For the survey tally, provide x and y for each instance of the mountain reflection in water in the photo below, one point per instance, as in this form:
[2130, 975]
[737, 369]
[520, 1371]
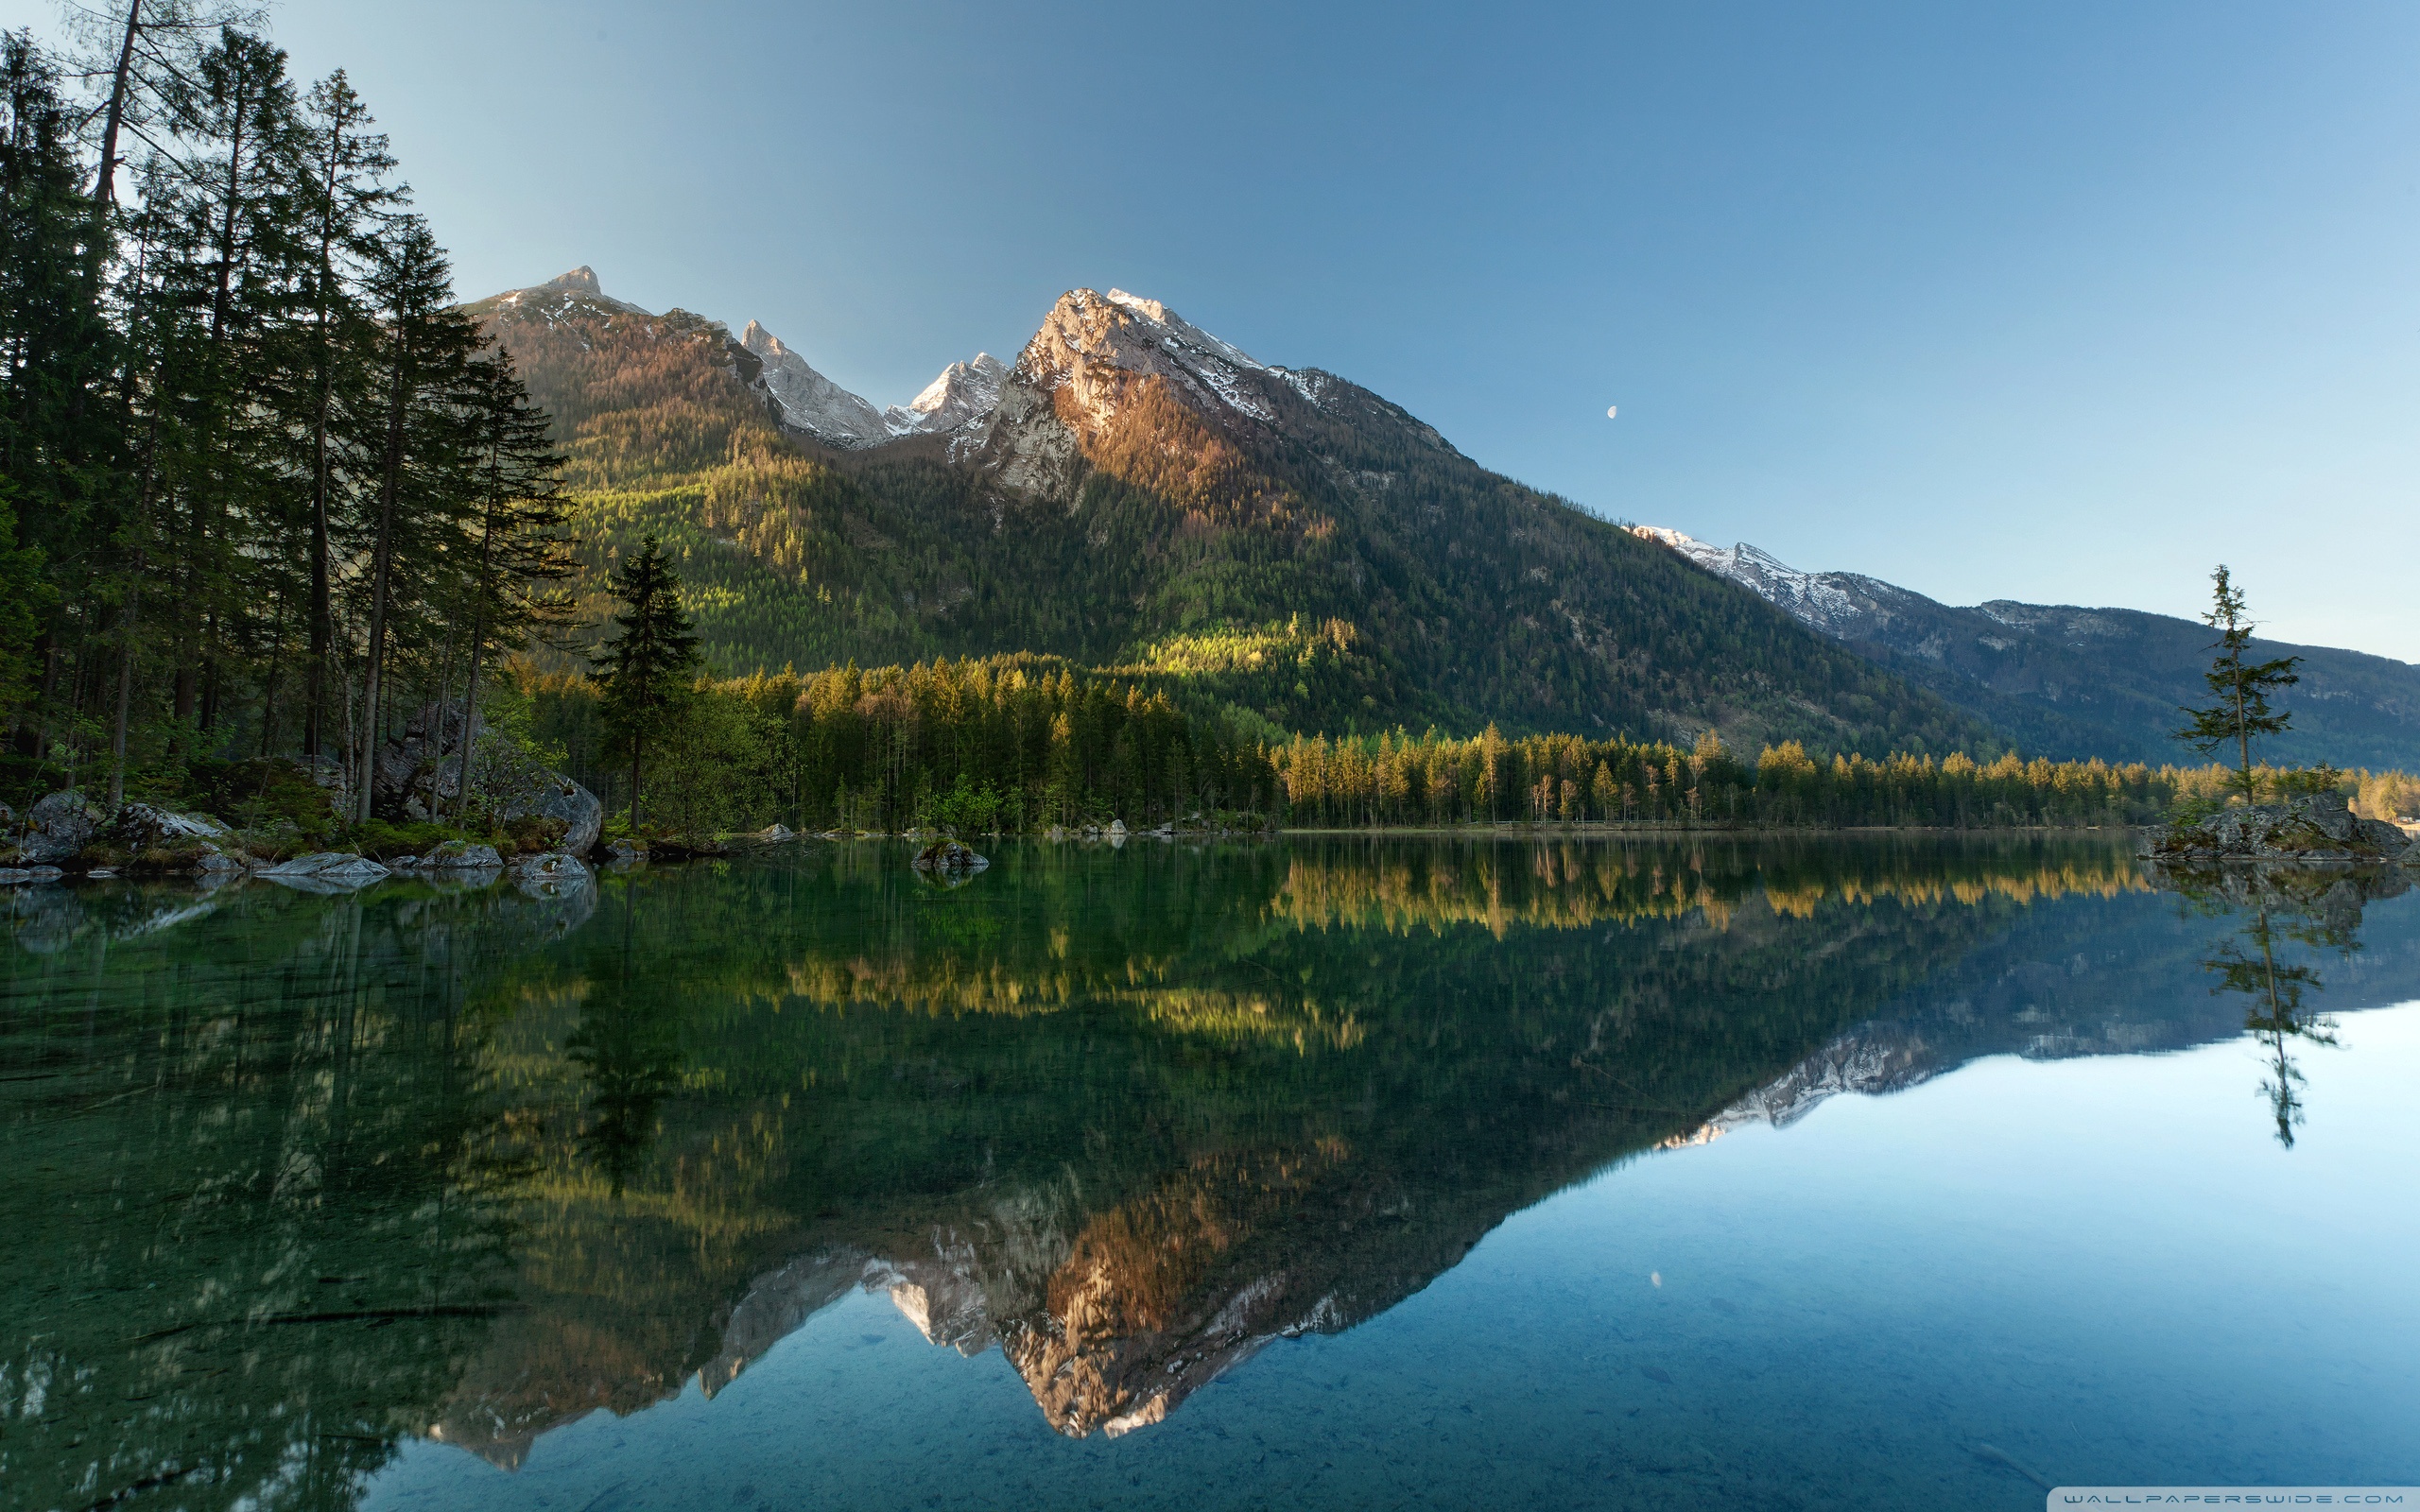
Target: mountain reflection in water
[300, 1177]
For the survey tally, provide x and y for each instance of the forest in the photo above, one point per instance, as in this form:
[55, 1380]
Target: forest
[1021, 743]
[272, 492]
[267, 485]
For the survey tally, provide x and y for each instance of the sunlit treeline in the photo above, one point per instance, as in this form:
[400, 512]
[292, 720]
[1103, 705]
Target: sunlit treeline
[1010, 743]
[1019, 743]
[1570, 778]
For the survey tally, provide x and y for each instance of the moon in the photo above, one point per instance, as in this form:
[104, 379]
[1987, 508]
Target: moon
[1610, 409]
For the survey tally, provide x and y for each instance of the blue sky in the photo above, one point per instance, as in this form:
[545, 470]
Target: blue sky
[2059, 302]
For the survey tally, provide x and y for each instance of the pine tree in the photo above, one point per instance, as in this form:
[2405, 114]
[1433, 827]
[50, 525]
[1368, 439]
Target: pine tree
[648, 661]
[2239, 713]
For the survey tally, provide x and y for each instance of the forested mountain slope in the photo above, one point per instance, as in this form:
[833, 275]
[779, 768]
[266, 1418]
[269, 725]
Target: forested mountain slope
[2071, 682]
[1145, 496]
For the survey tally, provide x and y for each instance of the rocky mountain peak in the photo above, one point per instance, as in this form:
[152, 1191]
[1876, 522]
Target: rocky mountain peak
[805, 400]
[964, 394]
[580, 280]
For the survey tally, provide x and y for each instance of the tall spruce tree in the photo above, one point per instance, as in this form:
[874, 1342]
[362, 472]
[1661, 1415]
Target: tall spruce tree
[57, 426]
[344, 194]
[427, 458]
[522, 555]
[2238, 711]
[648, 661]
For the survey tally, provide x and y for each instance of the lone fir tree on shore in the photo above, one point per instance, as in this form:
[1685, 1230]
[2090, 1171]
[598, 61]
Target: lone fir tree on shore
[648, 664]
[2238, 711]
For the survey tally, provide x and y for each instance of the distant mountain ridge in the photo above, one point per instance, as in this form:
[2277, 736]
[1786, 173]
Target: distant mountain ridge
[1135, 492]
[2064, 681]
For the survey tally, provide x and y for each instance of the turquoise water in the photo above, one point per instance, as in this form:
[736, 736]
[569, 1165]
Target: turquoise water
[1321, 1174]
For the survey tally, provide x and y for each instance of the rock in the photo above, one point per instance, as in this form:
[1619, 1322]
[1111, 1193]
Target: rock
[949, 856]
[776, 834]
[1056, 833]
[556, 874]
[56, 828]
[327, 871]
[2308, 828]
[410, 773]
[212, 861]
[626, 852]
[19, 876]
[101, 873]
[151, 838]
[459, 855]
[550, 795]
[1117, 829]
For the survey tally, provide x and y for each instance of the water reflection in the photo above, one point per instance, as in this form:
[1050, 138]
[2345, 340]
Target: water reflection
[2317, 909]
[309, 1176]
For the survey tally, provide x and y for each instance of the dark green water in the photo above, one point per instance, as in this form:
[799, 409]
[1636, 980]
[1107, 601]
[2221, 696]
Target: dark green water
[1326, 1173]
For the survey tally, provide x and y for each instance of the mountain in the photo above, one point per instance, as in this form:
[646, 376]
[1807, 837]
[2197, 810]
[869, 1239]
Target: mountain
[1135, 492]
[2067, 682]
[965, 395]
[804, 399]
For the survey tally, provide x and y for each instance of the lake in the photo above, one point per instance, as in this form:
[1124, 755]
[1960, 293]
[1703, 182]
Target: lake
[1321, 1172]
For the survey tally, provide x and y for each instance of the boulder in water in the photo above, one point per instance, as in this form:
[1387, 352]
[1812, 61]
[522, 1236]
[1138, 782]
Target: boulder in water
[2316, 827]
[327, 871]
[950, 857]
[459, 855]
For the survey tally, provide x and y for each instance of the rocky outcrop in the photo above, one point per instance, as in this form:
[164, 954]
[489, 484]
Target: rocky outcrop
[553, 795]
[804, 399]
[2318, 827]
[949, 856]
[455, 855]
[57, 827]
[414, 772]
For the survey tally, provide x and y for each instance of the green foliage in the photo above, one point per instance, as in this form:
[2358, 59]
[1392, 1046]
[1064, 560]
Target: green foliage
[2238, 711]
[645, 667]
[260, 489]
[1019, 744]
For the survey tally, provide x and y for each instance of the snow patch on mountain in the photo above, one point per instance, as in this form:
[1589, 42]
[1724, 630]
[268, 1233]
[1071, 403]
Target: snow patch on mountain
[1846, 606]
[806, 401]
[965, 395]
[560, 296]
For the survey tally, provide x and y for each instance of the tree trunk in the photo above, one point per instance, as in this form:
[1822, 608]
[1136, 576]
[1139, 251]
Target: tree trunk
[189, 664]
[382, 568]
[105, 180]
[125, 692]
[315, 682]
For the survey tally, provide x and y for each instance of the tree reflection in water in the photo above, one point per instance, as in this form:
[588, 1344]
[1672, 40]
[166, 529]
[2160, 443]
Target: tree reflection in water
[471, 1166]
[2315, 908]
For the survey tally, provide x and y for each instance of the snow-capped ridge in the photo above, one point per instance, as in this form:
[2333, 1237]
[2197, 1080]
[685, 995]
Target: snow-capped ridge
[964, 394]
[804, 399]
[1822, 601]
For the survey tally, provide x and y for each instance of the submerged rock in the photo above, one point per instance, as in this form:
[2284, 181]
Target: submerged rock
[2314, 828]
[327, 871]
[949, 856]
[556, 874]
[20, 876]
